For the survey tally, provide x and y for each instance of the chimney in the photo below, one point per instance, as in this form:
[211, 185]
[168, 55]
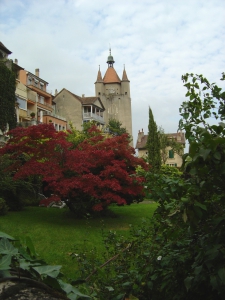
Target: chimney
[37, 72]
[56, 92]
[83, 95]
[16, 61]
[140, 135]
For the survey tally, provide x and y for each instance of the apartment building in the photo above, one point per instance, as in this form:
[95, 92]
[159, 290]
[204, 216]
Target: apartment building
[36, 101]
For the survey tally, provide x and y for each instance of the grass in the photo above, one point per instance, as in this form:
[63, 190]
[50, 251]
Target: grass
[56, 233]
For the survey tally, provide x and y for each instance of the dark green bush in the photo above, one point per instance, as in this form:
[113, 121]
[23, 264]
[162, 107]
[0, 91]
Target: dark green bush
[3, 207]
[180, 253]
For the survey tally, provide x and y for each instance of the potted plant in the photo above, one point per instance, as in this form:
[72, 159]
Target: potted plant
[50, 121]
[32, 115]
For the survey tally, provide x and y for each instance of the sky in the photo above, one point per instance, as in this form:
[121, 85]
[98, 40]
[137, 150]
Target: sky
[157, 40]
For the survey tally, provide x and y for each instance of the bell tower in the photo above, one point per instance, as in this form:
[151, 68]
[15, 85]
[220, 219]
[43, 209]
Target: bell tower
[115, 95]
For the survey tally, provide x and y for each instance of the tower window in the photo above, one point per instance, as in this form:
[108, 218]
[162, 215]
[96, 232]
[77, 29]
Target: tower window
[99, 93]
[125, 93]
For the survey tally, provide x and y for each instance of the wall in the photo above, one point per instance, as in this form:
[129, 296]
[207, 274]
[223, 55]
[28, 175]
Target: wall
[70, 108]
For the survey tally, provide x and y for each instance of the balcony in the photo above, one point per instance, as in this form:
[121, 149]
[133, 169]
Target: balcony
[26, 124]
[41, 100]
[31, 96]
[93, 116]
[41, 91]
[46, 113]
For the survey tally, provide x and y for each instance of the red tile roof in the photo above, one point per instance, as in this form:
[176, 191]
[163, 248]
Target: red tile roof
[111, 76]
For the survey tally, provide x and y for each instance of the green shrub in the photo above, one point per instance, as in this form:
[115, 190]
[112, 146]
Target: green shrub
[179, 254]
[3, 207]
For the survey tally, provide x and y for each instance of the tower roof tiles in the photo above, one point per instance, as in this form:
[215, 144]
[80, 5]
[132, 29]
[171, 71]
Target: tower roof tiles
[111, 76]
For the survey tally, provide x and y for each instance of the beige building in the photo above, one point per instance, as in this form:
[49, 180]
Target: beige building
[34, 98]
[78, 110]
[115, 95]
[173, 159]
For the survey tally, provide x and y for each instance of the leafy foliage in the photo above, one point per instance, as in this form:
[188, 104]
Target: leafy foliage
[153, 144]
[180, 253]
[3, 207]
[19, 261]
[114, 127]
[7, 97]
[97, 172]
[15, 192]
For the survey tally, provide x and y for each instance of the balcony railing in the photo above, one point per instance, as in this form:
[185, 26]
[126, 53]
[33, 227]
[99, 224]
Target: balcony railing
[31, 97]
[93, 116]
[39, 87]
[26, 124]
[46, 113]
[45, 103]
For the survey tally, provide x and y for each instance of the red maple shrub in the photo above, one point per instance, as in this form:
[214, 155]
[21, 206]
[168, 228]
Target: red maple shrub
[100, 171]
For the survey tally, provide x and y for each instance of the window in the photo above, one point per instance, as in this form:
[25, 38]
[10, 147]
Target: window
[99, 93]
[22, 103]
[171, 154]
[125, 93]
[42, 100]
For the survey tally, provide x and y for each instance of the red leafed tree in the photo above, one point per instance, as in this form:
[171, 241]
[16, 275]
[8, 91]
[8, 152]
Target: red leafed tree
[98, 172]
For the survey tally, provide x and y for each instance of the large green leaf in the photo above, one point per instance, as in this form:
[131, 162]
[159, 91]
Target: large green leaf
[5, 261]
[204, 153]
[4, 235]
[7, 248]
[53, 282]
[202, 206]
[52, 271]
[30, 247]
[187, 282]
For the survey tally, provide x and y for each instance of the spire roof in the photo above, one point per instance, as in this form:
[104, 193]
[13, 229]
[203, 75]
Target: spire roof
[111, 76]
[99, 76]
[124, 77]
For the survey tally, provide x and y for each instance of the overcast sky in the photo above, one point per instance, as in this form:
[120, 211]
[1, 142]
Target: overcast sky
[158, 41]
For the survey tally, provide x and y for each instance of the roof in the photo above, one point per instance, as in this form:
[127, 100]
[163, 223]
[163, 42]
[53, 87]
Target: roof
[84, 100]
[37, 77]
[142, 143]
[99, 77]
[142, 139]
[111, 76]
[4, 48]
[178, 136]
[125, 78]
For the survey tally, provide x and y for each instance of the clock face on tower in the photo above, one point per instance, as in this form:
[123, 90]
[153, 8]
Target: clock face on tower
[111, 90]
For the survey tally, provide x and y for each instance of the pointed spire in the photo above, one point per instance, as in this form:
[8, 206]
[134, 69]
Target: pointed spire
[99, 76]
[124, 77]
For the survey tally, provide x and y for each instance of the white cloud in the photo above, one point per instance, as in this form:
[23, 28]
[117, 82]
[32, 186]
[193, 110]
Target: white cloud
[158, 41]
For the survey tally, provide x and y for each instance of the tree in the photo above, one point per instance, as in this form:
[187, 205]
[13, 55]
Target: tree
[114, 127]
[7, 97]
[153, 144]
[179, 254]
[99, 171]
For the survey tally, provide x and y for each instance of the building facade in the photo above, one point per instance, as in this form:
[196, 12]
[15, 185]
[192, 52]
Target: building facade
[77, 110]
[36, 103]
[115, 95]
[173, 159]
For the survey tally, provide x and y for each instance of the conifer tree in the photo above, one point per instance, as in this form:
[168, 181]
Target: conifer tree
[153, 144]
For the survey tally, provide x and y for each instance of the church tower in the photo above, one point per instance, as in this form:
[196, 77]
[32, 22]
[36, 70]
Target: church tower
[115, 95]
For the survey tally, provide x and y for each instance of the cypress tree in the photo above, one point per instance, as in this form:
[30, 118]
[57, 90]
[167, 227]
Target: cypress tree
[153, 144]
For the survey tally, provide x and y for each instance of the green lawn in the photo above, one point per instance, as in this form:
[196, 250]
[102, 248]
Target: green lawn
[56, 233]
